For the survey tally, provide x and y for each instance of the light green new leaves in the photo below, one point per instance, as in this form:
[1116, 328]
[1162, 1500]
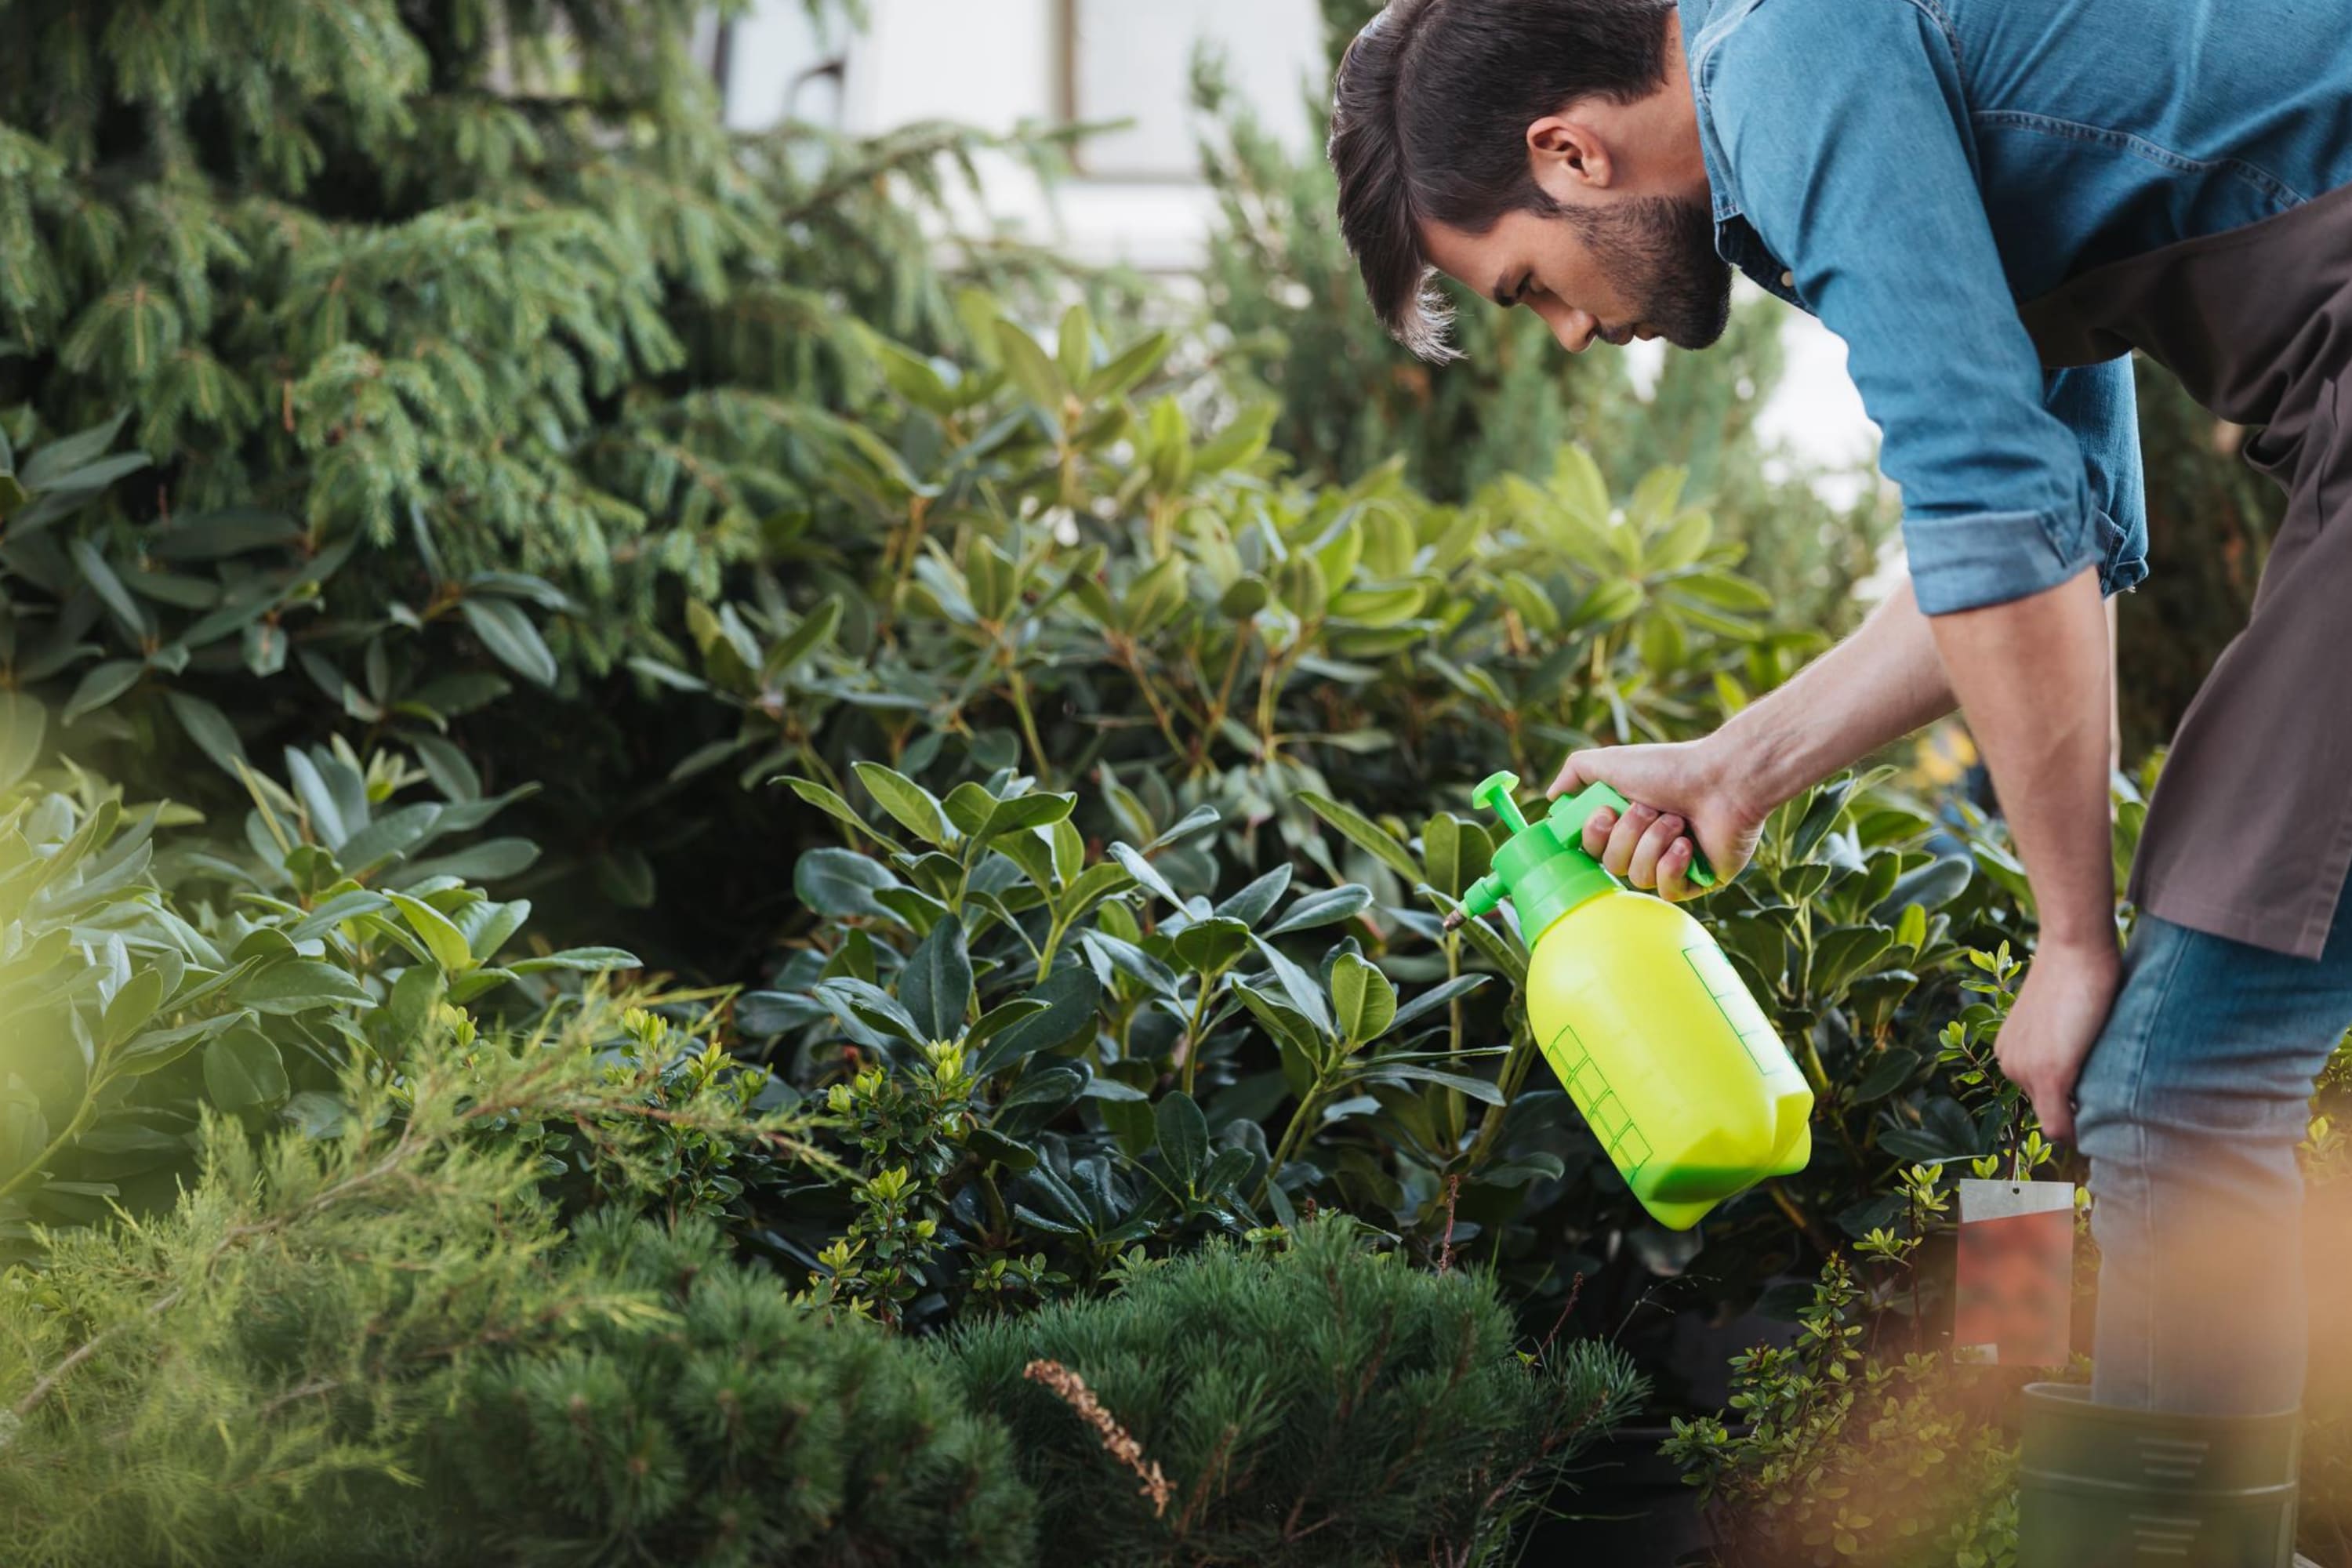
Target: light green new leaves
[441, 937]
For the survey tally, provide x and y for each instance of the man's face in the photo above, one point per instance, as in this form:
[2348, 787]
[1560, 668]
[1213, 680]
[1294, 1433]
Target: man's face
[1637, 268]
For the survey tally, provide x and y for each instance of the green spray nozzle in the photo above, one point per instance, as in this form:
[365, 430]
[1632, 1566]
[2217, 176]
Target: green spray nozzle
[1542, 867]
[1494, 793]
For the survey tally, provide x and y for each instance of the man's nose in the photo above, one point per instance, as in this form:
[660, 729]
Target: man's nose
[1575, 328]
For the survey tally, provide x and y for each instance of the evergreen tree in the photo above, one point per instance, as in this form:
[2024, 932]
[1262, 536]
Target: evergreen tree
[463, 345]
[485, 284]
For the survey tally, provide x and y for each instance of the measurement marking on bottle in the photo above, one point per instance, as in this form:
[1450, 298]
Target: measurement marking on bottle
[1738, 1008]
[1603, 1111]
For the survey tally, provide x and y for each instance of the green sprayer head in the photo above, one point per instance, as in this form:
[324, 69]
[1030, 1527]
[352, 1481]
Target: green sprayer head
[1542, 867]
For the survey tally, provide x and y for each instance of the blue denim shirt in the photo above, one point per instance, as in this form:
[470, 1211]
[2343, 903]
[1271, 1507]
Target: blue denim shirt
[1911, 171]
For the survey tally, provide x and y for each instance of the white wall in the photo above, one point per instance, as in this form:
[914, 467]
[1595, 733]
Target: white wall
[997, 63]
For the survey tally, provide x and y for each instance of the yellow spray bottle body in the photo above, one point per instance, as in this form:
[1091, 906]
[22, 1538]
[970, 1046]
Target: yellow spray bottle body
[1674, 1065]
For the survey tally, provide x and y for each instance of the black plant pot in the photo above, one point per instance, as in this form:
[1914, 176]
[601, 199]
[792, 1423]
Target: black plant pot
[1631, 1509]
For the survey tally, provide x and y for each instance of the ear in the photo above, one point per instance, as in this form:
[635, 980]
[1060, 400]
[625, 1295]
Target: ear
[1567, 157]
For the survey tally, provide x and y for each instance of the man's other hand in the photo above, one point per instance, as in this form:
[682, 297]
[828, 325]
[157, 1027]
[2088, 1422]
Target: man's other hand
[1692, 789]
[2056, 1019]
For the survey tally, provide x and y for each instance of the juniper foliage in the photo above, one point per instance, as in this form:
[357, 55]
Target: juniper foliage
[736, 1428]
[271, 1372]
[1322, 1404]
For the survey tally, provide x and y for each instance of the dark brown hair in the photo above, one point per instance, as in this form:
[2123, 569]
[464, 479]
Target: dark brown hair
[1430, 111]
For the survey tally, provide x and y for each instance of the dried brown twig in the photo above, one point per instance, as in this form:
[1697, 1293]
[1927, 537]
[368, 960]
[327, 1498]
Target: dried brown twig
[1117, 1441]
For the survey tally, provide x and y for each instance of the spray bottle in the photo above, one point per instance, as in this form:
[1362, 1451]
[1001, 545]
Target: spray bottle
[1676, 1067]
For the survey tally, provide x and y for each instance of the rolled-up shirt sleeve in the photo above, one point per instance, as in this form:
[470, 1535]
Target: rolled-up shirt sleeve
[2100, 406]
[1842, 124]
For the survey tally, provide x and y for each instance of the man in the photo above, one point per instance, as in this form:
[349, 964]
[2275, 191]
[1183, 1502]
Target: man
[1993, 202]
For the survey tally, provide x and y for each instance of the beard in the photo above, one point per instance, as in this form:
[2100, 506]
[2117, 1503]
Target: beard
[1659, 252]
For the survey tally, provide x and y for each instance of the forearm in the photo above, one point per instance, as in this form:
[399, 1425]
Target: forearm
[2033, 678]
[1877, 687]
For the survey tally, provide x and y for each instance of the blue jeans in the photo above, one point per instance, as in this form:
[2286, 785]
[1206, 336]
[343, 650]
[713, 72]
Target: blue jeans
[2189, 1109]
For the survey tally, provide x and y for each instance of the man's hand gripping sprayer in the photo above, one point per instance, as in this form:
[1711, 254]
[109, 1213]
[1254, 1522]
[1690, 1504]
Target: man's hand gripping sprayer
[1674, 1066]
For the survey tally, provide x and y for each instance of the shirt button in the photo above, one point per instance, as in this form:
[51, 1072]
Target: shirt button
[1788, 279]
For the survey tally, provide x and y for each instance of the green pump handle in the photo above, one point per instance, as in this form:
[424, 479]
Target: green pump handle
[1563, 831]
[1568, 820]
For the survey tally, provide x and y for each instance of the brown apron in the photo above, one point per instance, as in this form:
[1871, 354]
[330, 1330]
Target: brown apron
[2251, 830]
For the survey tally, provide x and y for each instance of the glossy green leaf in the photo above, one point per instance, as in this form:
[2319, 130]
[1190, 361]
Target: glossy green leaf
[512, 640]
[1252, 903]
[100, 686]
[102, 579]
[296, 985]
[796, 645]
[1209, 946]
[1030, 371]
[580, 960]
[132, 1006]
[914, 807]
[1145, 872]
[1124, 372]
[1363, 1000]
[1183, 1136]
[441, 937]
[1076, 345]
[23, 722]
[1071, 995]
[936, 986]
[1327, 907]
[243, 1070]
[1435, 997]
[1023, 812]
[1365, 834]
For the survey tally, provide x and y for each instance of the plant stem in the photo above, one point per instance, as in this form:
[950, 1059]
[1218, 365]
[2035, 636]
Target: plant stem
[1290, 1138]
[1028, 722]
[1217, 710]
[997, 1217]
[82, 1117]
[1490, 1126]
[1192, 1032]
[1123, 647]
[1798, 1217]
[1456, 1107]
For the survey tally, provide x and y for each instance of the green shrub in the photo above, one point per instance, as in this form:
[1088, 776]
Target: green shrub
[248, 1377]
[726, 1424]
[1322, 1404]
[1844, 1455]
[1047, 1054]
[142, 984]
[457, 341]
[1865, 1441]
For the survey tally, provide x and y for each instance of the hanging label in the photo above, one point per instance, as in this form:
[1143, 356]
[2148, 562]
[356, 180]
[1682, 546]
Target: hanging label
[2016, 1274]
